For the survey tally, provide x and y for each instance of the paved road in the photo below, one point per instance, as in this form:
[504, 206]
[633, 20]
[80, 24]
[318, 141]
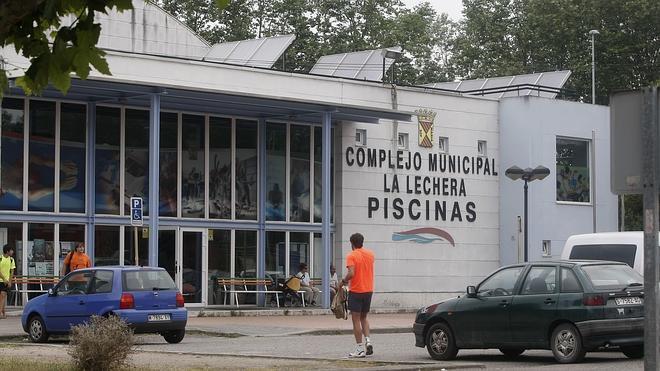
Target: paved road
[388, 347]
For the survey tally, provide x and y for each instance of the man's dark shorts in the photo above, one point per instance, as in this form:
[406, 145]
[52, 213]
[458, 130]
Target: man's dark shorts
[359, 302]
[4, 287]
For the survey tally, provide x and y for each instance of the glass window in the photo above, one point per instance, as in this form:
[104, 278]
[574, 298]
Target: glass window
[318, 174]
[569, 282]
[298, 250]
[220, 168]
[106, 245]
[75, 284]
[147, 280]
[11, 154]
[70, 236]
[246, 169]
[102, 282]
[612, 252]
[540, 280]
[136, 177]
[142, 246]
[167, 250]
[245, 253]
[219, 262]
[169, 132]
[275, 171]
[40, 249]
[192, 166]
[276, 255]
[73, 157]
[612, 276]
[300, 156]
[41, 168]
[12, 234]
[108, 134]
[573, 183]
[317, 267]
[501, 283]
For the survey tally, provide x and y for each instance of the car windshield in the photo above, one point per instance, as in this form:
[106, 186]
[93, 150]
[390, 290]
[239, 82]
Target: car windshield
[147, 280]
[611, 276]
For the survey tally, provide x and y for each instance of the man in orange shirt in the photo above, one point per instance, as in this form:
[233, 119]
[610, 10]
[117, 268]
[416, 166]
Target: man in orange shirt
[76, 259]
[360, 275]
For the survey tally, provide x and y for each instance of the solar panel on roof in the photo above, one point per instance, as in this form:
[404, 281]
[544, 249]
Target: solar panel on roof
[262, 52]
[363, 65]
[553, 79]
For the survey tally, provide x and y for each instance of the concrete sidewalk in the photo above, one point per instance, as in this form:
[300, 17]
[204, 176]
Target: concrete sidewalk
[265, 323]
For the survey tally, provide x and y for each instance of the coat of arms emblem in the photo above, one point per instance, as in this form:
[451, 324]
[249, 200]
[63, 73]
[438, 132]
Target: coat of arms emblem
[425, 122]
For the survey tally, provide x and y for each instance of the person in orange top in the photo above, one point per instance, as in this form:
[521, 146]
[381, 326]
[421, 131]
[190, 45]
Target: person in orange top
[76, 259]
[360, 277]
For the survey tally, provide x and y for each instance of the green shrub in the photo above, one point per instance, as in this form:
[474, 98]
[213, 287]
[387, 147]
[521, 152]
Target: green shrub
[102, 344]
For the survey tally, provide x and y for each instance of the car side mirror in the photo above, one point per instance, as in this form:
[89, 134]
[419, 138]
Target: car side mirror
[471, 292]
[52, 292]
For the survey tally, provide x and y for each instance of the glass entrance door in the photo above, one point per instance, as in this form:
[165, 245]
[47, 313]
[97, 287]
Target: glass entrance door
[167, 251]
[192, 272]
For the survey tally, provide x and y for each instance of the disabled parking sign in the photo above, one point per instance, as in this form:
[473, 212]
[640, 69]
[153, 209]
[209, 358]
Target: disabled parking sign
[136, 211]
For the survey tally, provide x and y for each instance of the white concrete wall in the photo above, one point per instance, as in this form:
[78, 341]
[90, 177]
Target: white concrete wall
[410, 274]
[529, 127]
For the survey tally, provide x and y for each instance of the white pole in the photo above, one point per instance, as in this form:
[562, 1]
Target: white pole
[593, 34]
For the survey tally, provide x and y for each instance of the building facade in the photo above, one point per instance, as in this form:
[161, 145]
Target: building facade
[248, 172]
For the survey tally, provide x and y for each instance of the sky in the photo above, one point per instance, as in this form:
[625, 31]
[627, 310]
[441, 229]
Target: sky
[451, 7]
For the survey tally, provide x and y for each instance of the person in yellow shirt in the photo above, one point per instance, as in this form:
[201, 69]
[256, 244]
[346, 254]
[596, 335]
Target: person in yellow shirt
[7, 268]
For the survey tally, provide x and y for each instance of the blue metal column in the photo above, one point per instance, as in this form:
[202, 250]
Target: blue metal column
[261, 202]
[154, 175]
[325, 227]
[90, 192]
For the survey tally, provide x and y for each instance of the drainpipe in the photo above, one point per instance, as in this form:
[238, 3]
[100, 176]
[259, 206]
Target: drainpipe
[395, 124]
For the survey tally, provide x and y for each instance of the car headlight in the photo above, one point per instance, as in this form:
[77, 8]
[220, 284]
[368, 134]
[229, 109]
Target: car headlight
[428, 309]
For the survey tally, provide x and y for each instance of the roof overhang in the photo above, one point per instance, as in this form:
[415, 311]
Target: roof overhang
[220, 103]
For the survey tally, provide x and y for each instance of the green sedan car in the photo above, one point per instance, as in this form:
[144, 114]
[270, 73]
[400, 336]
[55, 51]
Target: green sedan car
[569, 307]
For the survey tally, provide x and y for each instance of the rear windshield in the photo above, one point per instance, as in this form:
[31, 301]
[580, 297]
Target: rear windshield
[610, 276]
[615, 253]
[146, 280]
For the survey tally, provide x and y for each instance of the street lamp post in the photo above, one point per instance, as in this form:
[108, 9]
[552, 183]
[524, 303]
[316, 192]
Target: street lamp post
[593, 34]
[528, 175]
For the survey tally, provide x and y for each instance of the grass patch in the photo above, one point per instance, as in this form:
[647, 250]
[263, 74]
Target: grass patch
[21, 364]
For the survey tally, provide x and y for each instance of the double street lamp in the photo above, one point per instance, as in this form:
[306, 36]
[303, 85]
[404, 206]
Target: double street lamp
[528, 175]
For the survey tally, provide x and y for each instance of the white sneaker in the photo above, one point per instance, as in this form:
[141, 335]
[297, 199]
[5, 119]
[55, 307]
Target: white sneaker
[359, 353]
[370, 349]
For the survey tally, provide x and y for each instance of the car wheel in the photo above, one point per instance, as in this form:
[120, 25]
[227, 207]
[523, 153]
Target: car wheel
[37, 330]
[174, 337]
[566, 344]
[633, 351]
[440, 342]
[512, 352]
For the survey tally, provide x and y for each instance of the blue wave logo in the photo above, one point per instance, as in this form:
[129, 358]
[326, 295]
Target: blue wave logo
[423, 235]
[413, 238]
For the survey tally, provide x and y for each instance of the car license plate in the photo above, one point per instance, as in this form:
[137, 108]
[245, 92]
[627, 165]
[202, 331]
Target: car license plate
[158, 317]
[628, 301]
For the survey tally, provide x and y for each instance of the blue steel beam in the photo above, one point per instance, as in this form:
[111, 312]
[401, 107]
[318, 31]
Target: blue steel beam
[154, 167]
[261, 199]
[325, 222]
[90, 192]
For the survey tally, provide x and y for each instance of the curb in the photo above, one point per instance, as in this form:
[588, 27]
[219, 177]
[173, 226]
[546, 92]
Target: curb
[315, 332]
[193, 312]
[285, 312]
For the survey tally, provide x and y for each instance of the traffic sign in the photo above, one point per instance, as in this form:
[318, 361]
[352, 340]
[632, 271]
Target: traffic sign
[136, 211]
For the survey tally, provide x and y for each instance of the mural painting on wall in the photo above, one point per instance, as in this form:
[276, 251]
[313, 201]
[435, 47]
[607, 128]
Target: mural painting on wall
[425, 123]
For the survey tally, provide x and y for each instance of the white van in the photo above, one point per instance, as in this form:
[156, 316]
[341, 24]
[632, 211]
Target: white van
[625, 247]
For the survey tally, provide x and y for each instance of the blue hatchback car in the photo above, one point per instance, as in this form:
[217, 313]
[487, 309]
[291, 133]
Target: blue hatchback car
[145, 297]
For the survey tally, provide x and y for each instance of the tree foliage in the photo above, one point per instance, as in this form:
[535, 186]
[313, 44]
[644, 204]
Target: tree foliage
[504, 37]
[58, 37]
[332, 26]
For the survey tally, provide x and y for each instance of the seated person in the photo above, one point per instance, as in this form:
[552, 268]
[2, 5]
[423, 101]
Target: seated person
[334, 282]
[311, 293]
